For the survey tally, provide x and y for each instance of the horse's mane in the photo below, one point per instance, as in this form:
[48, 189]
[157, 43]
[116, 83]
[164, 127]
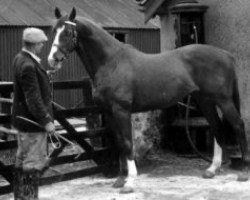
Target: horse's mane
[94, 27]
[88, 21]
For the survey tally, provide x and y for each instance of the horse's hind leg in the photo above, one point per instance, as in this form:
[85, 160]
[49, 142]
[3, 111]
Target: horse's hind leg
[233, 117]
[209, 111]
[231, 114]
[216, 162]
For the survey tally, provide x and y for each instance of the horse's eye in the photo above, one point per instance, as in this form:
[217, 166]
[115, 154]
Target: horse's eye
[68, 33]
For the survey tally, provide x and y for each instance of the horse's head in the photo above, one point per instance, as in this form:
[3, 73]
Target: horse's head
[65, 40]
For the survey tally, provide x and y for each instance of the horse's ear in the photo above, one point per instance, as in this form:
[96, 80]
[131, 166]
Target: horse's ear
[72, 14]
[57, 13]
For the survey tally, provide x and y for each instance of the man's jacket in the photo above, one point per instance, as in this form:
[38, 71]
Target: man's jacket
[32, 92]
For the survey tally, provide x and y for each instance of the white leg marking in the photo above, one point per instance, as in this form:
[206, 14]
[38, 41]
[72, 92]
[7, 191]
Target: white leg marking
[217, 158]
[132, 173]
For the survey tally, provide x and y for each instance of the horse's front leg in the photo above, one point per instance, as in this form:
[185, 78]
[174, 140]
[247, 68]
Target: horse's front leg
[121, 180]
[122, 118]
[216, 163]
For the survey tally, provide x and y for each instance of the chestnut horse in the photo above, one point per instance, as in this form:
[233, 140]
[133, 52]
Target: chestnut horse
[127, 81]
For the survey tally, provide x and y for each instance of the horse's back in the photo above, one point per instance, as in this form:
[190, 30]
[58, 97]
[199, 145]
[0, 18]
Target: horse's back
[211, 68]
[201, 53]
[194, 54]
[159, 80]
[171, 75]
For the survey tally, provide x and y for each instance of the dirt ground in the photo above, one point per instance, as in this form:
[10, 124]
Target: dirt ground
[162, 177]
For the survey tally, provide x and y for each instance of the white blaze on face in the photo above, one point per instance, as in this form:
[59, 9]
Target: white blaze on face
[51, 59]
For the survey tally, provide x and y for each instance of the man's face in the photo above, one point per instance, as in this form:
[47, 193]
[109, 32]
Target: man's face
[38, 47]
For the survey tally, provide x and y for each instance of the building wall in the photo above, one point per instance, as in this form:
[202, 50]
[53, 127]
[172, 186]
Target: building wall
[227, 25]
[145, 40]
[11, 43]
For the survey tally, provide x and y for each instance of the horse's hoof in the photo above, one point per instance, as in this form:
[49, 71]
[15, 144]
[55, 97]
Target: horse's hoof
[208, 175]
[247, 159]
[126, 190]
[242, 178]
[120, 182]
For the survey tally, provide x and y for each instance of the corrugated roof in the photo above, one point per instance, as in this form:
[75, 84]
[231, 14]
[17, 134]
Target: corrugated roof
[108, 13]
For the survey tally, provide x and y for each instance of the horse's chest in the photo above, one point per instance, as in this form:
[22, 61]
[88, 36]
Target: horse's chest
[112, 86]
[109, 93]
[101, 94]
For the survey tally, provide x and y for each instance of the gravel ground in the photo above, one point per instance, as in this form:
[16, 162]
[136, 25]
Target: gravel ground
[162, 177]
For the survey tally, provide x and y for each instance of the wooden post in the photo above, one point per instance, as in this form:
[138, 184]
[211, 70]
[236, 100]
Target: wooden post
[87, 92]
[167, 32]
[6, 103]
[93, 120]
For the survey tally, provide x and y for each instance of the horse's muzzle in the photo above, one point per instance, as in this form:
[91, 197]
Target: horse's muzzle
[55, 64]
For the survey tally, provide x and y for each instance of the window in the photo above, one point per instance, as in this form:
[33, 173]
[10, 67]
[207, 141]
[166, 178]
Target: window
[122, 37]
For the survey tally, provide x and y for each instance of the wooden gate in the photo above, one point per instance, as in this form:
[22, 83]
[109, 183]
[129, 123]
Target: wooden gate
[93, 158]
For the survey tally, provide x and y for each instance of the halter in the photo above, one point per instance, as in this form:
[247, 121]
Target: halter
[74, 40]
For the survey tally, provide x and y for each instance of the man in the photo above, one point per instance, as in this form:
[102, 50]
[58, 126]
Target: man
[32, 101]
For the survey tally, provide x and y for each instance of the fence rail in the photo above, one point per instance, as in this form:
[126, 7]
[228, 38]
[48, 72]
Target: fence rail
[82, 137]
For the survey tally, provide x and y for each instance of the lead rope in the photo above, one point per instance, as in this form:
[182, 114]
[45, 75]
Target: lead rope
[57, 144]
[57, 135]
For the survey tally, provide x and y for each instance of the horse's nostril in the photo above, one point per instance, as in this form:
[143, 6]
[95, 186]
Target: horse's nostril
[59, 60]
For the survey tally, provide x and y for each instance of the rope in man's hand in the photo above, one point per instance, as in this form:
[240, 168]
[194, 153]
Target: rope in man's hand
[52, 134]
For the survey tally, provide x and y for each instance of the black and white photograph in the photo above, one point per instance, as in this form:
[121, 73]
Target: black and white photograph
[124, 99]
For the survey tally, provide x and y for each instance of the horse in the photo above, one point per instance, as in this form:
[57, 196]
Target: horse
[126, 80]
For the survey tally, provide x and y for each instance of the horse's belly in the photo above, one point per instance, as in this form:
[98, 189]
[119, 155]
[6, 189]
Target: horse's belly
[161, 97]
[152, 105]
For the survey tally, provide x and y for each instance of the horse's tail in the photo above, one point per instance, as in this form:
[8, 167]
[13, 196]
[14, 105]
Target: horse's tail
[229, 136]
[236, 96]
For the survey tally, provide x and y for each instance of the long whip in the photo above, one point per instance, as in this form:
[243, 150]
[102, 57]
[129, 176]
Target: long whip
[187, 115]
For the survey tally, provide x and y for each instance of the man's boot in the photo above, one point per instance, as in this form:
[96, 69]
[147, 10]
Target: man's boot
[30, 185]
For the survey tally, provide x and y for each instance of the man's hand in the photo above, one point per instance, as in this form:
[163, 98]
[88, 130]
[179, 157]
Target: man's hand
[51, 72]
[50, 128]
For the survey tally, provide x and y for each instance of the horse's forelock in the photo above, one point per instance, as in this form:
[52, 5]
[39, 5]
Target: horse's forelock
[60, 22]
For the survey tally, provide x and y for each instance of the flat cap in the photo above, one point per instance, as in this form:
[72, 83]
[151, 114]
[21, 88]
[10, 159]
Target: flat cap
[34, 35]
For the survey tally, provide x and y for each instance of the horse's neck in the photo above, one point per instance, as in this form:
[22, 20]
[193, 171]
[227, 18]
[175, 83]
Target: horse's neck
[96, 52]
[85, 60]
